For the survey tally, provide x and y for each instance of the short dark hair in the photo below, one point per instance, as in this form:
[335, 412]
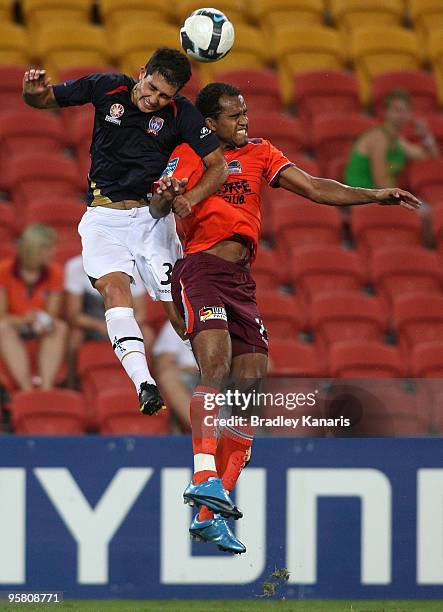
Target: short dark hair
[397, 94]
[174, 66]
[208, 98]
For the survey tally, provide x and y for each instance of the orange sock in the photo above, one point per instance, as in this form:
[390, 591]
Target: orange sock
[204, 440]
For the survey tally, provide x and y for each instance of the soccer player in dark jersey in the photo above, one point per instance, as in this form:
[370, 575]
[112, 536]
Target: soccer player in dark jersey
[213, 289]
[137, 125]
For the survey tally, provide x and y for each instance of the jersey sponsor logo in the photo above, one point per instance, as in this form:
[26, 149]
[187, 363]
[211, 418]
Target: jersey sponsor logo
[170, 168]
[235, 167]
[204, 132]
[235, 192]
[155, 125]
[115, 112]
[208, 313]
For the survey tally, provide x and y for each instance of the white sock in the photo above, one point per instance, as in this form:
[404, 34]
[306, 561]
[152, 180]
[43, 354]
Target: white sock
[204, 462]
[127, 342]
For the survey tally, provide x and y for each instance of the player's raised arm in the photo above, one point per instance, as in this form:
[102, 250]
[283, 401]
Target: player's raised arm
[326, 191]
[215, 175]
[37, 89]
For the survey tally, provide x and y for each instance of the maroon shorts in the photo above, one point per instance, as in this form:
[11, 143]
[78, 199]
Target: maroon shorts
[211, 293]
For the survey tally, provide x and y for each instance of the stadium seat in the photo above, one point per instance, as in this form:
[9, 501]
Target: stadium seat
[438, 227]
[293, 358]
[281, 314]
[272, 14]
[38, 13]
[131, 47]
[364, 359]
[375, 227]
[378, 49]
[80, 132]
[259, 87]
[318, 91]
[63, 214]
[426, 16]
[284, 132]
[427, 361]
[434, 53]
[307, 164]
[8, 222]
[315, 269]
[55, 412]
[346, 315]
[118, 414]
[420, 84]
[234, 9]
[418, 318]
[26, 177]
[333, 136]
[115, 12]
[193, 86]
[6, 11]
[14, 45]
[77, 72]
[67, 249]
[350, 14]
[11, 78]
[301, 49]
[265, 269]
[426, 179]
[435, 123]
[397, 270]
[26, 130]
[72, 45]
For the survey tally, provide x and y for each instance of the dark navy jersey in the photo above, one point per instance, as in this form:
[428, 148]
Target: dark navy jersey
[129, 148]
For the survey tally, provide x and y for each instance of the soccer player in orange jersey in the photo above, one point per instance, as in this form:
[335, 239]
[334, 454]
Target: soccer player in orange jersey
[213, 289]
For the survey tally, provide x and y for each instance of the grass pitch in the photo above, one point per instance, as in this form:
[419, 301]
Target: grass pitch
[228, 605]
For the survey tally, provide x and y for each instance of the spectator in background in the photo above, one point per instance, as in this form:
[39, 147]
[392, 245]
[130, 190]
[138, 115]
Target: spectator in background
[30, 300]
[176, 373]
[85, 311]
[380, 154]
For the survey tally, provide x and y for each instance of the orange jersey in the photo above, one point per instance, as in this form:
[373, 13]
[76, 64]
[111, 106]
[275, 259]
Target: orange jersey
[21, 298]
[235, 208]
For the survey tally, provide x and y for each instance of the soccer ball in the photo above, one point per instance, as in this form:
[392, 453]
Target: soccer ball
[207, 35]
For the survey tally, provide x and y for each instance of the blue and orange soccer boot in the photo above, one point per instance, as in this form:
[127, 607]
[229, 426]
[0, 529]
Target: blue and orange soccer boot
[216, 530]
[212, 495]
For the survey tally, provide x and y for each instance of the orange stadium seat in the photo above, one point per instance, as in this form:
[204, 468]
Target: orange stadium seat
[63, 214]
[426, 16]
[333, 136]
[294, 358]
[11, 87]
[397, 270]
[376, 50]
[315, 269]
[434, 52]
[265, 269]
[283, 131]
[72, 45]
[350, 14]
[38, 13]
[8, 222]
[364, 359]
[14, 45]
[420, 84]
[6, 11]
[426, 179]
[271, 14]
[346, 315]
[77, 72]
[132, 47]
[319, 91]
[298, 49]
[118, 414]
[427, 361]
[418, 318]
[233, 9]
[115, 12]
[55, 412]
[375, 227]
[27, 177]
[280, 313]
[259, 87]
[27, 130]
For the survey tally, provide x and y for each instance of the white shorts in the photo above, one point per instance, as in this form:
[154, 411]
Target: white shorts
[119, 240]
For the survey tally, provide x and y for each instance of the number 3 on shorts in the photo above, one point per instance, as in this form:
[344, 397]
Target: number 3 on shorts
[168, 273]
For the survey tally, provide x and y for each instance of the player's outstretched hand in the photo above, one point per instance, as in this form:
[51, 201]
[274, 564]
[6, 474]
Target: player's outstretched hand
[35, 81]
[399, 197]
[182, 206]
[170, 187]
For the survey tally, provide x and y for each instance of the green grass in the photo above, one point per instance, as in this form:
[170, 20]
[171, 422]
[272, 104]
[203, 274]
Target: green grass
[245, 605]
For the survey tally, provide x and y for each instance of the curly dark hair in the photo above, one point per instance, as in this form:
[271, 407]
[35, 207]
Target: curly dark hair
[208, 98]
[174, 66]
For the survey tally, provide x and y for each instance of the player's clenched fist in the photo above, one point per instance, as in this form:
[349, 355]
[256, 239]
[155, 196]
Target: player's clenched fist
[182, 206]
[169, 187]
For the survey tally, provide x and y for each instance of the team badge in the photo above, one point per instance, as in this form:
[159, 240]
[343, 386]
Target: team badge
[155, 125]
[170, 168]
[235, 167]
[208, 313]
[116, 110]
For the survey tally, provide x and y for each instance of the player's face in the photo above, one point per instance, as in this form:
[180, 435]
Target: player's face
[231, 126]
[152, 92]
[398, 113]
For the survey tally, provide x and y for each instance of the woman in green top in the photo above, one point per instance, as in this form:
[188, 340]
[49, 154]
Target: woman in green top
[380, 154]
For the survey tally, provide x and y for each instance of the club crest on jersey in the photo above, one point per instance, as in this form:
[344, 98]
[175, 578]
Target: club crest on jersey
[208, 313]
[170, 168]
[155, 125]
[235, 167]
[115, 112]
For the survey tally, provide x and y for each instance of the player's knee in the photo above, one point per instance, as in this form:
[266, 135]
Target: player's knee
[114, 292]
[216, 369]
[60, 329]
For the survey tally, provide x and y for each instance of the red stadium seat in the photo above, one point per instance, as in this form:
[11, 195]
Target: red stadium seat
[315, 269]
[283, 131]
[8, 222]
[259, 87]
[281, 314]
[420, 84]
[396, 270]
[55, 412]
[11, 78]
[427, 360]
[375, 227]
[306, 164]
[62, 214]
[318, 92]
[333, 136]
[155, 314]
[193, 86]
[67, 249]
[77, 72]
[438, 226]
[418, 318]
[265, 269]
[346, 315]
[426, 179]
[28, 130]
[118, 414]
[364, 359]
[80, 130]
[293, 358]
[435, 123]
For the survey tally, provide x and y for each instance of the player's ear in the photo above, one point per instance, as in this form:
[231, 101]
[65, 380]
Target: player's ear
[211, 124]
[142, 73]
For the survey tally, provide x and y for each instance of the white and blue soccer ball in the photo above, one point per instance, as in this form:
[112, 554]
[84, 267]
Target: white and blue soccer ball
[207, 35]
